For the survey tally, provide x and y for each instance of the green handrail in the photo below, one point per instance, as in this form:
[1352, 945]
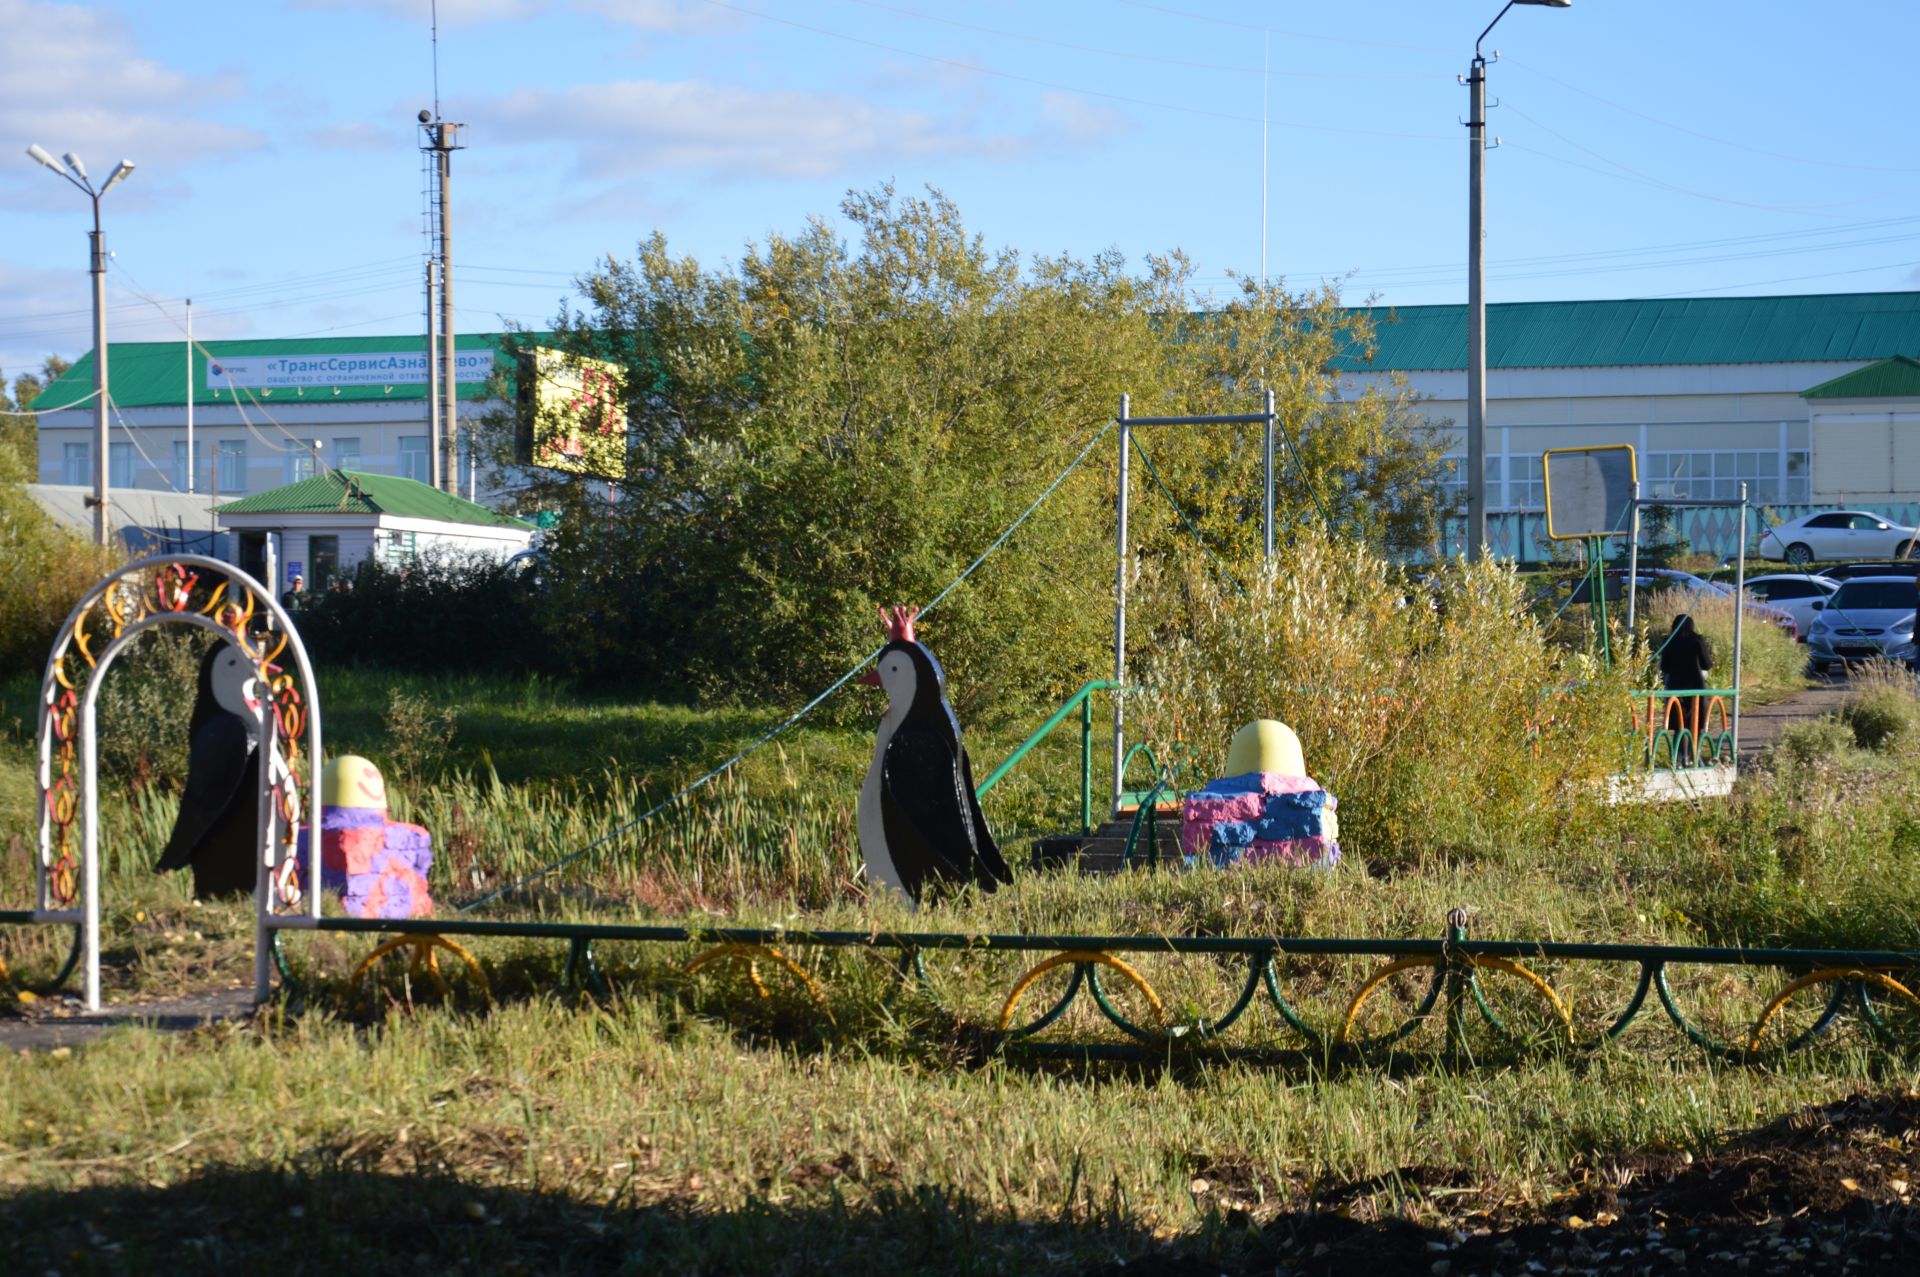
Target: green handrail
[1083, 699]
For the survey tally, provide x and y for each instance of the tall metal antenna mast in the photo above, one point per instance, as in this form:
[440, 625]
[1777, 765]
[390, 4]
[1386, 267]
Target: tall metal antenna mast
[443, 139]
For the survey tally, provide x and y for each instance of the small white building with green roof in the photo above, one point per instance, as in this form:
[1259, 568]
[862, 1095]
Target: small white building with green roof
[323, 527]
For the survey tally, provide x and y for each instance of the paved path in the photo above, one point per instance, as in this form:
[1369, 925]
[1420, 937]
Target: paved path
[58, 1022]
[1762, 723]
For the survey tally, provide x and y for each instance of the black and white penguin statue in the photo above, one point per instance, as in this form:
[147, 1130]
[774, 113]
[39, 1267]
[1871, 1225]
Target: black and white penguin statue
[218, 829]
[920, 822]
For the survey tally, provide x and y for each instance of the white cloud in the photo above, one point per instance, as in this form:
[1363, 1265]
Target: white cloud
[1078, 120]
[364, 137]
[452, 13]
[72, 79]
[642, 15]
[661, 15]
[637, 126]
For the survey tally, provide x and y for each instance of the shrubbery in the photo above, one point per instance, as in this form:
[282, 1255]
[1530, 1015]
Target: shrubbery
[828, 426]
[44, 569]
[452, 613]
[1439, 712]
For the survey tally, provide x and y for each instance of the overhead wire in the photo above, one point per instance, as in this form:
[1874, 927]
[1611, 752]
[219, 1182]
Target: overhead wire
[1123, 54]
[1709, 137]
[687, 790]
[979, 68]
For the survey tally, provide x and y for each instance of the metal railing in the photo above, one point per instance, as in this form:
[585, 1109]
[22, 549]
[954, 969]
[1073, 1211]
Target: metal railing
[1679, 727]
[1446, 988]
[1083, 701]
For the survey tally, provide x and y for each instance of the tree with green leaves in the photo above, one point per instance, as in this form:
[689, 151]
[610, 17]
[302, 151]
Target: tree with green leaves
[837, 423]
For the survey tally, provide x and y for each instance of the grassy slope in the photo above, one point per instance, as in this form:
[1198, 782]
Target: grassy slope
[686, 1120]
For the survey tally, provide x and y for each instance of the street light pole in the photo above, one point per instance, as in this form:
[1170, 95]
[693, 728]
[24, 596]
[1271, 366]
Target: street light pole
[1476, 288]
[70, 167]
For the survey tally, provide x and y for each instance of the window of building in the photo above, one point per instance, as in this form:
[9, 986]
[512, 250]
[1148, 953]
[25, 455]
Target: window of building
[120, 465]
[186, 471]
[299, 466]
[1717, 476]
[1453, 480]
[230, 458]
[346, 453]
[76, 460]
[413, 457]
[1526, 482]
[323, 561]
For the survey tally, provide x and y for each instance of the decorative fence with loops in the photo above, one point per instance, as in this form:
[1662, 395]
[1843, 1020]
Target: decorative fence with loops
[1448, 976]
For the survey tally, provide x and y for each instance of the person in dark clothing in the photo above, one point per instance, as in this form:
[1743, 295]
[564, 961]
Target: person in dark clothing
[1684, 661]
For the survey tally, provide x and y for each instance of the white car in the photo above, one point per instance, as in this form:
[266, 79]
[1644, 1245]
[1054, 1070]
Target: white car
[1837, 534]
[1794, 594]
[1868, 617]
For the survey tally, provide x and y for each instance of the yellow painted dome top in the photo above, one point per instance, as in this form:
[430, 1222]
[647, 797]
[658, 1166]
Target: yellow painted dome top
[352, 781]
[1265, 745]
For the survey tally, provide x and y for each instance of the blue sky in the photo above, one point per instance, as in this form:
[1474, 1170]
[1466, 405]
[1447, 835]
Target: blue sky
[1649, 148]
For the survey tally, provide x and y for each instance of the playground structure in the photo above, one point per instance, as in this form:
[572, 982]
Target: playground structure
[184, 589]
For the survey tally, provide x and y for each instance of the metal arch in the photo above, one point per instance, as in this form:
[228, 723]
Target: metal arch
[169, 606]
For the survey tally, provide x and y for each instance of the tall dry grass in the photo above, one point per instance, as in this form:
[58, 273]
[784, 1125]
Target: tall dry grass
[1438, 711]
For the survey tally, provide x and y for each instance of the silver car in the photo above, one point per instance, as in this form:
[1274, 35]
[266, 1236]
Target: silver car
[1868, 617]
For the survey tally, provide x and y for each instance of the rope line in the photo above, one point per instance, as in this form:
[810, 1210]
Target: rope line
[1177, 509]
[714, 774]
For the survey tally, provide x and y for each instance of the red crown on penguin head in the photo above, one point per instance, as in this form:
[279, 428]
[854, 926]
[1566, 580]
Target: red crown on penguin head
[899, 623]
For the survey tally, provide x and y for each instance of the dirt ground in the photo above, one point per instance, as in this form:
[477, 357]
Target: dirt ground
[1824, 1190]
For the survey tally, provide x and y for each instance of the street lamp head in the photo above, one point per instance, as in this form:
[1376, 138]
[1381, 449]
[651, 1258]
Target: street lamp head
[126, 167]
[73, 162]
[39, 152]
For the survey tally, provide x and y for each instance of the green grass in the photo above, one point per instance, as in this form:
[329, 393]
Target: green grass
[688, 1125]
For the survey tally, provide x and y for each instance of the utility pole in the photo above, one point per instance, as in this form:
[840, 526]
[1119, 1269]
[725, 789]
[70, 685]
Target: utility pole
[433, 378]
[1477, 285]
[190, 466]
[443, 140]
[70, 167]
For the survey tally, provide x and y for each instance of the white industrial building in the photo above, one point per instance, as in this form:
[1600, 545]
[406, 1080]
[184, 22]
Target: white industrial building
[1711, 392]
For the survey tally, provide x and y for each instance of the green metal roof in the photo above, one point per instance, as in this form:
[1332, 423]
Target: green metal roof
[1831, 327]
[1821, 328]
[1895, 378]
[357, 492]
[146, 374]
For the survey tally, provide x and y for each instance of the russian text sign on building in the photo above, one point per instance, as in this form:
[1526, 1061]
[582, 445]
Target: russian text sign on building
[573, 416]
[367, 368]
[1589, 491]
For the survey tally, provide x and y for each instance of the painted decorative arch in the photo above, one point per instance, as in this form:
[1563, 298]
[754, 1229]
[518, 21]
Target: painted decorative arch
[201, 592]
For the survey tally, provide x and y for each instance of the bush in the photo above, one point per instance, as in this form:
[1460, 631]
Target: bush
[1883, 709]
[448, 612]
[146, 705]
[1815, 741]
[44, 569]
[1447, 721]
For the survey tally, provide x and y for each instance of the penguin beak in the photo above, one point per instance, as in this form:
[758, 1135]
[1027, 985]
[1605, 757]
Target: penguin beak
[870, 679]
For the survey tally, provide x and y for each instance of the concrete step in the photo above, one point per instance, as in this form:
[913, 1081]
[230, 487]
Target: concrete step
[1104, 850]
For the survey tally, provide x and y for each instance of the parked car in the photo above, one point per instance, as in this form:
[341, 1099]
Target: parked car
[1650, 581]
[1848, 571]
[1834, 535]
[1793, 593]
[1867, 617]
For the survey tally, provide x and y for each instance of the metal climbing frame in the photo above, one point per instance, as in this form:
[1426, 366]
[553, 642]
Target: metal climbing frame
[196, 591]
[1269, 421]
[1451, 968]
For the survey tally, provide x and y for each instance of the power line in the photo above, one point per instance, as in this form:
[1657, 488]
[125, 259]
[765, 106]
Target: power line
[1243, 25]
[1122, 53]
[1708, 137]
[982, 69]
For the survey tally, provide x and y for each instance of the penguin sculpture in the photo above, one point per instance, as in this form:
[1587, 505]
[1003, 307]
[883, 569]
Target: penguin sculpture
[920, 823]
[218, 829]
